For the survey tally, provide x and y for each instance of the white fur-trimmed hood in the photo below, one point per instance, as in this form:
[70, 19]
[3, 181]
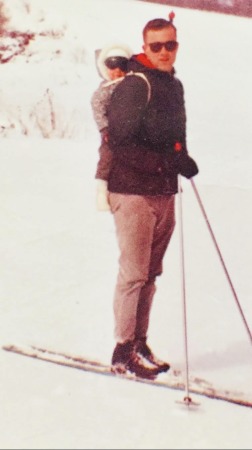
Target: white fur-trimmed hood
[116, 49]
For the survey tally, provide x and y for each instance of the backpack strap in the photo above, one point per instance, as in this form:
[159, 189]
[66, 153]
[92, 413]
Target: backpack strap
[110, 82]
[141, 75]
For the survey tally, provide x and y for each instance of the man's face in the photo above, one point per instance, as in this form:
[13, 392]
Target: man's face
[162, 59]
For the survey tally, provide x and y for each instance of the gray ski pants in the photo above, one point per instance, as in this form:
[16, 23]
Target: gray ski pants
[144, 226]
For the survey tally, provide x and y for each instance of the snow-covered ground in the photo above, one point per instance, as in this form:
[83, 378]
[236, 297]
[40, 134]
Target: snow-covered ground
[59, 255]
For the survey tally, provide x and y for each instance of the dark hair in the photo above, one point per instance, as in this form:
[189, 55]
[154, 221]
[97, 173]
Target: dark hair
[157, 24]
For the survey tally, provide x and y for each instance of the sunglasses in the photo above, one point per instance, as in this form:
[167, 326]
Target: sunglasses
[170, 46]
[116, 62]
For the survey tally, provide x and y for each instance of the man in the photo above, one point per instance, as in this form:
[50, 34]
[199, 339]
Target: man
[147, 135]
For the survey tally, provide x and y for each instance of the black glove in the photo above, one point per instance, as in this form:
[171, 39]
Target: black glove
[187, 167]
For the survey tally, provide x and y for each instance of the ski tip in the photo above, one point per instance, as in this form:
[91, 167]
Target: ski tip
[8, 348]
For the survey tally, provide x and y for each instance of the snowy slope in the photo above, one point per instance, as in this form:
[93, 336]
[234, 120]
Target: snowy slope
[59, 255]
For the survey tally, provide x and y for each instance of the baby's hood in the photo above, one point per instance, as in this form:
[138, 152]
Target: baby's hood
[112, 50]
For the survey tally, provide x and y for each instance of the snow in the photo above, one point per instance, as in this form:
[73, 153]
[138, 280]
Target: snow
[59, 255]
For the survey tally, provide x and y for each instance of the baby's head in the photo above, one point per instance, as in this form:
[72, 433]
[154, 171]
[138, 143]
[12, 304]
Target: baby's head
[116, 66]
[112, 61]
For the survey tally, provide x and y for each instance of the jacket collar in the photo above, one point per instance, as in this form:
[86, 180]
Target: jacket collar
[144, 63]
[142, 59]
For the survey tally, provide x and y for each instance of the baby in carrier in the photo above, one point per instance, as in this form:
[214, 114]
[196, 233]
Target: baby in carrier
[112, 67]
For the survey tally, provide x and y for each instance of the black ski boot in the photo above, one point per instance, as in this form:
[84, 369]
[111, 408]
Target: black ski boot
[142, 349]
[126, 359]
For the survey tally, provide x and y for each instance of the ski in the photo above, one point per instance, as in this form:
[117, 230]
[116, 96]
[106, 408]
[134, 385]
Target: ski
[173, 379]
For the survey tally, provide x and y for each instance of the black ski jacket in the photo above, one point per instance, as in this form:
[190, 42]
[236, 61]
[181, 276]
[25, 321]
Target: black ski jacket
[146, 136]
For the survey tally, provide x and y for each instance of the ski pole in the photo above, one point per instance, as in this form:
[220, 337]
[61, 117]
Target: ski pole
[221, 258]
[187, 399]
